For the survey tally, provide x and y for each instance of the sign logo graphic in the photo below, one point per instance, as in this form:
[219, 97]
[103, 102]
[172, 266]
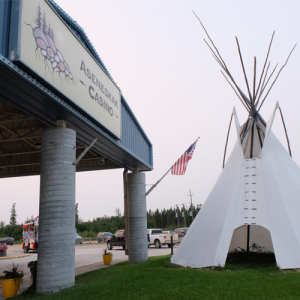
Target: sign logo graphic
[44, 39]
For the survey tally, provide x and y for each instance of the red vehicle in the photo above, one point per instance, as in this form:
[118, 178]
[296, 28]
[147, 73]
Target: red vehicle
[30, 237]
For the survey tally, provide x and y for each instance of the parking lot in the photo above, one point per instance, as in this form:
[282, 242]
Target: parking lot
[88, 257]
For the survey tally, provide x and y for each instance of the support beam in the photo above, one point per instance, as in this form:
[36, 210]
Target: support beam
[137, 218]
[84, 152]
[20, 165]
[56, 257]
[21, 138]
[248, 238]
[19, 153]
[16, 120]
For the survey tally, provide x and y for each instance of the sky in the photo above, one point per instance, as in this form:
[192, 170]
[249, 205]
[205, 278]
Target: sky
[155, 52]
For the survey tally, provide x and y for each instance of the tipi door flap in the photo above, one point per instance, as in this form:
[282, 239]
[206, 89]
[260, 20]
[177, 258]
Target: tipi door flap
[269, 124]
[260, 239]
[239, 239]
[237, 123]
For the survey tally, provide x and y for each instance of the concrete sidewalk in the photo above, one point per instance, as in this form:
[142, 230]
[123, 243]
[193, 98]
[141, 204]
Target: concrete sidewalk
[78, 270]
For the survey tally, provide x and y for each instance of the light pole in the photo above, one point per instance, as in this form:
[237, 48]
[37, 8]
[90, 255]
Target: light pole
[183, 214]
[177, 214]
[191, 212]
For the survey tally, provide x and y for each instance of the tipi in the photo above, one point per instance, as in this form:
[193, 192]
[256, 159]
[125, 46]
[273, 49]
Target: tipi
[257, 195]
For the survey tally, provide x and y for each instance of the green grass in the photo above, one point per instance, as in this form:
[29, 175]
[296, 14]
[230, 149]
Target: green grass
[157, 278]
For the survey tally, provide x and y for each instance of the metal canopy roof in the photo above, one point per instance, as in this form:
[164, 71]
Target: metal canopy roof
[20, 145]
[28, 106]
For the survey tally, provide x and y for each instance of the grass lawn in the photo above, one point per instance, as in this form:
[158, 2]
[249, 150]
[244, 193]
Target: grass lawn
[159, 279]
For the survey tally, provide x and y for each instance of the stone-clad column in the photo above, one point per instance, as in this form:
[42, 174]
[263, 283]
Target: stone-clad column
[137, 218]
[56, 248]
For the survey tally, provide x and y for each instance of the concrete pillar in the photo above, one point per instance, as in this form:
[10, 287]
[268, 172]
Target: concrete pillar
[125, 210]
[137, 218]
[56, 248]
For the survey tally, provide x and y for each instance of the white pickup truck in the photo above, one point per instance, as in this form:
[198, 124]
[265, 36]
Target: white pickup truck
[157, 238]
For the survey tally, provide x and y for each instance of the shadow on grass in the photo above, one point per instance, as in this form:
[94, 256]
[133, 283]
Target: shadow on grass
[252, 260]
[240, 261]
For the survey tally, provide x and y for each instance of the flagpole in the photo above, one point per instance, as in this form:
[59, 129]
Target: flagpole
[156, 184]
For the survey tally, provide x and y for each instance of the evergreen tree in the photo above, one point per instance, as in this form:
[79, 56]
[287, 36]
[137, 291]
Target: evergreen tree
[29, 220]
[2, 225]
[13, 216]
[76, 215]
[118, 212]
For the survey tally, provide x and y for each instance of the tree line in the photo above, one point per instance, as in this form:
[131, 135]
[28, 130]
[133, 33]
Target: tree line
[167, 219]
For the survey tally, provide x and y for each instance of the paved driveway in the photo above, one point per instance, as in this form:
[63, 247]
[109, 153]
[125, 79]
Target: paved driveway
[84, 254]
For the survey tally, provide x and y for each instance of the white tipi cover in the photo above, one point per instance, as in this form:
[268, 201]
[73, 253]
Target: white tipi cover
[261, 191]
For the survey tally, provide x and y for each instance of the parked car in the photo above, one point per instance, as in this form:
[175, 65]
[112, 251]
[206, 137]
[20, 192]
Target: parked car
[78, 239]
[181, 232]
[103, 236]
[7, 240]
[117, 239]
[157, 238]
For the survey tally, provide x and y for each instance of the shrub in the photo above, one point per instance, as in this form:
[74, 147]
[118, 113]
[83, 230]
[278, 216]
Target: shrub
[3, 247]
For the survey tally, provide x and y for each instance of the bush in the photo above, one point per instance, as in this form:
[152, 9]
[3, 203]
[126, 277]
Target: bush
[14, 231]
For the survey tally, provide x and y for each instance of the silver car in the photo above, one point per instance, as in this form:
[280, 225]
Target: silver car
[104, 236]
[78, 239]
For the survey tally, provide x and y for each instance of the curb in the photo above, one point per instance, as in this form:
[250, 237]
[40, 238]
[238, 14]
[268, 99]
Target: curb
[9, 257]
[89, 264]
[94, 263]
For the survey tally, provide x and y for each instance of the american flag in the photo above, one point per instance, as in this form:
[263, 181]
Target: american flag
[179, 167]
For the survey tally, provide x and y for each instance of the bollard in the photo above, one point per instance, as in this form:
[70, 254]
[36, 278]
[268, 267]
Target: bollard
[172, 244]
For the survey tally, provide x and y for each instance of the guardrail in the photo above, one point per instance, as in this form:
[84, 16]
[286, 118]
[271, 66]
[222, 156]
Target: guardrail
[90, 238]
